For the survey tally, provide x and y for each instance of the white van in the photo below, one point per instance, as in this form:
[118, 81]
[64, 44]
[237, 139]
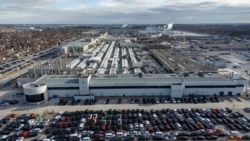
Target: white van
[147, 123]
[178, 126]
[81, 126]
[154, 116]
[109, 135]
[120, 135]
[141, 127]
[139, 115]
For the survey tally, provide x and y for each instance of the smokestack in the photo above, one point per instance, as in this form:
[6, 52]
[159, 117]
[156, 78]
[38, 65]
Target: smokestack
[170, 26]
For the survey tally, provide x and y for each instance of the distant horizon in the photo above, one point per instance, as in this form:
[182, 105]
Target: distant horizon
[123, 11]
[119, 24]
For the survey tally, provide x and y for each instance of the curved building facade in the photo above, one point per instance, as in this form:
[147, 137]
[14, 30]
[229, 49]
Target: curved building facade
[35, 93]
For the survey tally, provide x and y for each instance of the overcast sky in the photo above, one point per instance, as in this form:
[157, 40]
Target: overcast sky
[123, 11]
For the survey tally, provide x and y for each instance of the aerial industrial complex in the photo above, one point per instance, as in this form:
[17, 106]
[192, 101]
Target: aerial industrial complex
[127, 83]
[115, 65]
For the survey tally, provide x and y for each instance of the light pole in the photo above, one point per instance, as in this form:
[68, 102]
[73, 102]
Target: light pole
[233, 107]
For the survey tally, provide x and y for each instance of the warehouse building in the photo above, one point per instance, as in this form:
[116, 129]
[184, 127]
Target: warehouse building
[117, 66]
[173, 85]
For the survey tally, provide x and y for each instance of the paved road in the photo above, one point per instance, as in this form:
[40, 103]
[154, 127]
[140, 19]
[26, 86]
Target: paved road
[14, 74]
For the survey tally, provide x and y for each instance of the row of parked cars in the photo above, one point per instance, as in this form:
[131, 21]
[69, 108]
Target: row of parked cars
[128, 124]
[9, 102]
[77, 102]
[16, 128]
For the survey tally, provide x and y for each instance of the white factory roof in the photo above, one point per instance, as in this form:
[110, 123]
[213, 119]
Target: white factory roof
[145, 80]
[128, 80]
[58, 79]
[32, 85]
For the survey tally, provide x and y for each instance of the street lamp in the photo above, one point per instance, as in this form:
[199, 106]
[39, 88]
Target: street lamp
[233, 107]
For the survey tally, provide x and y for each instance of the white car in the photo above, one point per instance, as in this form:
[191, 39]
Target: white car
[61, 112]
[20, 127]
[31, 121]
[132, 133]
[83, 120]
[57, 117]
[45, 120]
[85, 139]
[109, 135]
[120, 134]
[3, 137]
[20, 139]
[157, 100]
[81, 126]
[37, 130]
[234, 133]
[48, 140]
[136, 126]
[158, 134]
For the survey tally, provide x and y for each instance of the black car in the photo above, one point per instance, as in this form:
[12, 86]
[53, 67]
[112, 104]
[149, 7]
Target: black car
[119, 101]
[182, 138]
[213, 137]
[33, 134]
[73, 102]
[107, 101]
[5, 120]
[12, 102]
[183, 134]
[222, 134]
[246, 137]
[143, 138]
[158, 138]
[245, 128]
[199, 138]
[196, 133]
[12, 137]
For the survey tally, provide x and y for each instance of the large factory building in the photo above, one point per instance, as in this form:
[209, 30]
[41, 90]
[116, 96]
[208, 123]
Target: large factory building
[117, 66]
[174, 86]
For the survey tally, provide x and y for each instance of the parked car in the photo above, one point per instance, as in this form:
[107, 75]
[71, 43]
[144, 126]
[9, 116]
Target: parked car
[247, 109]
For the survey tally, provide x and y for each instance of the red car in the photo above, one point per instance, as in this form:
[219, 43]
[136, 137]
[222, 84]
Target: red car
[150, 129]
[231, 126]
[121, 130]
[25, 134]
[167, 127]
[110, 131]
[98, 135]
[103, 128]
[67, 119]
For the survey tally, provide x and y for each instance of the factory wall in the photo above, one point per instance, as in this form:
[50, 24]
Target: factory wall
[212, 91]
[219, 63]
[63, 93]
[63, 89]
[130, 92]
[63, 85]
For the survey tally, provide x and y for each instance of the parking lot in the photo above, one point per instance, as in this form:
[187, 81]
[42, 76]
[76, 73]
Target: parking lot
[128, 118]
